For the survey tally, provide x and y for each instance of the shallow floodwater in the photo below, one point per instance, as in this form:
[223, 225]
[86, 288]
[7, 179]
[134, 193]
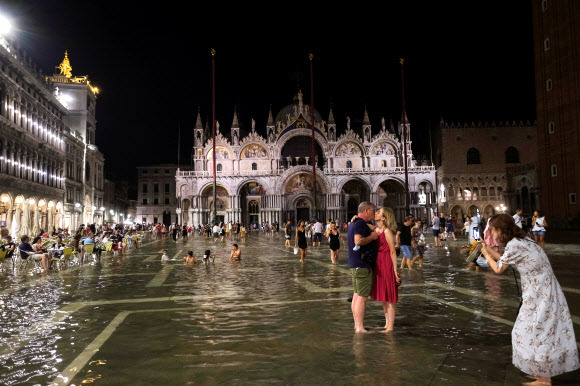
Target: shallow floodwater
[269, 319]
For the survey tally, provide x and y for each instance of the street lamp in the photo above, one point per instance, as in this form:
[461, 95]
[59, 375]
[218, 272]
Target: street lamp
[5, 25]
[501, 208]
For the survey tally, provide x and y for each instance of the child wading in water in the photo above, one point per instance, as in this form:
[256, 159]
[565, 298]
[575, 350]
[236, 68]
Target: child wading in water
[207, 255]
[164, 257]
[236, 253]
[189, 259]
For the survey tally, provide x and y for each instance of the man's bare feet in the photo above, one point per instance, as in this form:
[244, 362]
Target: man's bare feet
[364, 331]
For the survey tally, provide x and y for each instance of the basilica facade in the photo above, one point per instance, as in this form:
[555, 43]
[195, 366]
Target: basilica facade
[270, 179]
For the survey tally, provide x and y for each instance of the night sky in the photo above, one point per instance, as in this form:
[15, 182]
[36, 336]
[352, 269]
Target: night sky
[153, 65]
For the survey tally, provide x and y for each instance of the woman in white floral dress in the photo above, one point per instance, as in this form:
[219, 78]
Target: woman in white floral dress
[543, 338]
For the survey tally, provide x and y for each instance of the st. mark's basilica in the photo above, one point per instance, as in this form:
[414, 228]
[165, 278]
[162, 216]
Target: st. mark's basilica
[271, 179]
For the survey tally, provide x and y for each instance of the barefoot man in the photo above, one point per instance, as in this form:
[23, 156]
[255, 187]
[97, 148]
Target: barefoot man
[359, 237]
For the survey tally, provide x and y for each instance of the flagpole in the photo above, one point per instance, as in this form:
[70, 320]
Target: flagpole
[313, 154]
[178, 144]
[405, 139]
[214, 217]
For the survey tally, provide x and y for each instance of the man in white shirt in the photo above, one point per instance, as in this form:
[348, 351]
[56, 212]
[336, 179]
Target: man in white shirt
[518, 218]
[216, 232]
[317, 233]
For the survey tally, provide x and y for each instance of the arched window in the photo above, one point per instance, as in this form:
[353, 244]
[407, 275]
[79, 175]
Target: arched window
[349, 164]
[384, 163]
[554, 171]
[219, 167]
[548, 84]
[546, 44]
[253, 207]
[254, 166]
[551, 127]
[512, 155]
[473, 156]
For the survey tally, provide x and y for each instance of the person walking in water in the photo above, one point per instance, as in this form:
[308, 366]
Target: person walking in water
[404, 241]
[301, 241]
[288, 233]
[436, 228]
[543, 340]
[334, 236]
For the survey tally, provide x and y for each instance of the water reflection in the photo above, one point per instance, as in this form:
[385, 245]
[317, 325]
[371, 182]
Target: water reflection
[268, 318]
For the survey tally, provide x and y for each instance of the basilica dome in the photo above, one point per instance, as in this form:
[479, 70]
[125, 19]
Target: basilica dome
[293, 108]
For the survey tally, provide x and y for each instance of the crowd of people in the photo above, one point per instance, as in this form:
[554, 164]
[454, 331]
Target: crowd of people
[543, 342]
[50, 246]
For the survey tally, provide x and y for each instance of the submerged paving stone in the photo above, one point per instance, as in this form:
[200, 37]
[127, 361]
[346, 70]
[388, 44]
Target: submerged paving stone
[137, 320]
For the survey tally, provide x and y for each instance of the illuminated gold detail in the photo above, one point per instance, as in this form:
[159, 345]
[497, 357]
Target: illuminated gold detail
[65, 76]
[65, 67]
[402, 61]
[212, 52]
[311, 56]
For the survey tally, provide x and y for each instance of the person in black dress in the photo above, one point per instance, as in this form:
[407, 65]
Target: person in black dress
[301, 241]
[334, 238]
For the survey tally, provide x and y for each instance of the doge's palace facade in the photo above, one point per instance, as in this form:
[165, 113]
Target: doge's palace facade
[270, 179]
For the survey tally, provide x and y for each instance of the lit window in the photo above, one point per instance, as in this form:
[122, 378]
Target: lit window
[551, 127]
[554, 171]
[546, 44]
[549, 84]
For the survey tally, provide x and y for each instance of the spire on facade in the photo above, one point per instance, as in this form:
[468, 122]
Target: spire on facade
[235, 122]
[366, 118]
[404, 116]
[331, 116]
[270, 118]
[198, 124]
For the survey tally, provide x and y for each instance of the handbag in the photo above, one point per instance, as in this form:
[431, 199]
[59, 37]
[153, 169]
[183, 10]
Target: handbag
[369, 256]
[295, 250]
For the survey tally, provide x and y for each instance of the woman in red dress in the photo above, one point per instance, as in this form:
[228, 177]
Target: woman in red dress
[386, 278]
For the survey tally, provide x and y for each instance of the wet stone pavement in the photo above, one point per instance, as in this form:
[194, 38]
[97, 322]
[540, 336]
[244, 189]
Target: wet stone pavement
[136, 320]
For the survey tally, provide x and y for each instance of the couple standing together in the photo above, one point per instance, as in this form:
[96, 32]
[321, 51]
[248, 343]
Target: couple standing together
[380, 281]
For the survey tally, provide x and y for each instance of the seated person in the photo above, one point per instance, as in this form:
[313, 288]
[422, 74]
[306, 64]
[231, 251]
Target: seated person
[57, 247]
[41, 252]
[236, 254]
[9, 246]
[76, 243]
[27, 251]
[189, 259]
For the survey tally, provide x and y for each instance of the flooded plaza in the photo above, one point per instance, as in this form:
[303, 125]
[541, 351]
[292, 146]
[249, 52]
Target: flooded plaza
[269, 319]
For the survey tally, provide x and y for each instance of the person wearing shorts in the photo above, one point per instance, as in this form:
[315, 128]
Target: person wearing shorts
[436, 230]
[361, 239]
[404, 240]
[317, 229]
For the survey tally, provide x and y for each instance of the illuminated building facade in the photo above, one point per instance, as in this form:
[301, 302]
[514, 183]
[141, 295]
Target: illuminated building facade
[481, 166]
[43, 151]
[269, 179]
